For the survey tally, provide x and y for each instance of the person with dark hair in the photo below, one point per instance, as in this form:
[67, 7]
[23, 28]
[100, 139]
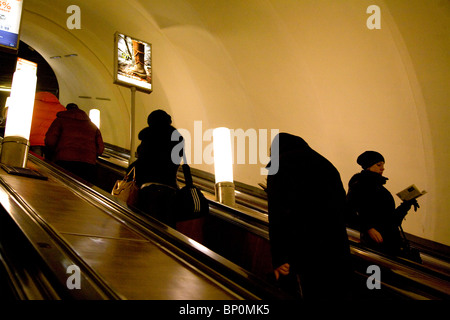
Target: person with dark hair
[379, 221]
[308, 238]
[158, 158]
[75, 142]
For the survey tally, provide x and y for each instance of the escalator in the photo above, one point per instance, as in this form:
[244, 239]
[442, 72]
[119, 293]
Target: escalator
[48, 226]
[240, 234]
[226, 254]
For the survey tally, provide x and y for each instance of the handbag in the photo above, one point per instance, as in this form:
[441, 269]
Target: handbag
[125, 189]
[406, 251]
[191, 203]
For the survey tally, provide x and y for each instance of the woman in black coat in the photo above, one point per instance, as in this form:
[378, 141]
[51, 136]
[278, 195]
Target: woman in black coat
[158, 158]
[378, 218]
[308, 238]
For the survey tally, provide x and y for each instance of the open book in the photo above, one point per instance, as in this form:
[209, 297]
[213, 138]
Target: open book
[410, 193]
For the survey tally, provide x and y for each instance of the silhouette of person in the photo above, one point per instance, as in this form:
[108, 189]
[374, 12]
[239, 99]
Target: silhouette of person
[156, 167]
[75, 142]
[46, 106]
[378, 218]
[308, 238]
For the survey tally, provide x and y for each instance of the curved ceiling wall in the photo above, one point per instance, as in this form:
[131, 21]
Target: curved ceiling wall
[311, 68]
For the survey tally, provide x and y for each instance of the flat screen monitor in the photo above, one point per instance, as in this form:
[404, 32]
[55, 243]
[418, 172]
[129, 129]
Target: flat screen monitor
[10, 17]
[132, 62]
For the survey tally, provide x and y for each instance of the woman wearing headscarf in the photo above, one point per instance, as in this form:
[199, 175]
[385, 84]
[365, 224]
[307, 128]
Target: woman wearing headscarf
[308, 238]
[378, 218]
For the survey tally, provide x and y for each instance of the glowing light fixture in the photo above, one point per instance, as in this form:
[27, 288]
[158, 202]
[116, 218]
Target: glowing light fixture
[15, 145]
[223, 166]
[94, 115]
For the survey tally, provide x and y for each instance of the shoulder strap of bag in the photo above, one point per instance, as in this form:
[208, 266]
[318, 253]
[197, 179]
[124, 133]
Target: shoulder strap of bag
[187, 172]
[129, 173]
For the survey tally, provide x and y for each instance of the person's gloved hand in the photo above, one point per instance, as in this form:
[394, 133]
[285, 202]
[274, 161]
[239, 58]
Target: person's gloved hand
[416, 205]
[408, 204]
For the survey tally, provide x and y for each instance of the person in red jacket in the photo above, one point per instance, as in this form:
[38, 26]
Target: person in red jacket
[46, 106]
[75, 142]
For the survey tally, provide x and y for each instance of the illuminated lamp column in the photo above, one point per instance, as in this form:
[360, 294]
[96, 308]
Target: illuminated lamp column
[94, 115]
[223, 166]
[15, 145]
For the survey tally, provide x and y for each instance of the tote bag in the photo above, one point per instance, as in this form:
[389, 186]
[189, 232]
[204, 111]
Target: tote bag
[125, 189]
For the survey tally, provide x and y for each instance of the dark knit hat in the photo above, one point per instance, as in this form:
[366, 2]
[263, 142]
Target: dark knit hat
[369, 158]
[71, 106]
[159, 118]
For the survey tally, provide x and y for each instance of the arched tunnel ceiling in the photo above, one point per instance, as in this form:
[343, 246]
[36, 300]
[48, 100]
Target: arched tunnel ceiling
[311, 68]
